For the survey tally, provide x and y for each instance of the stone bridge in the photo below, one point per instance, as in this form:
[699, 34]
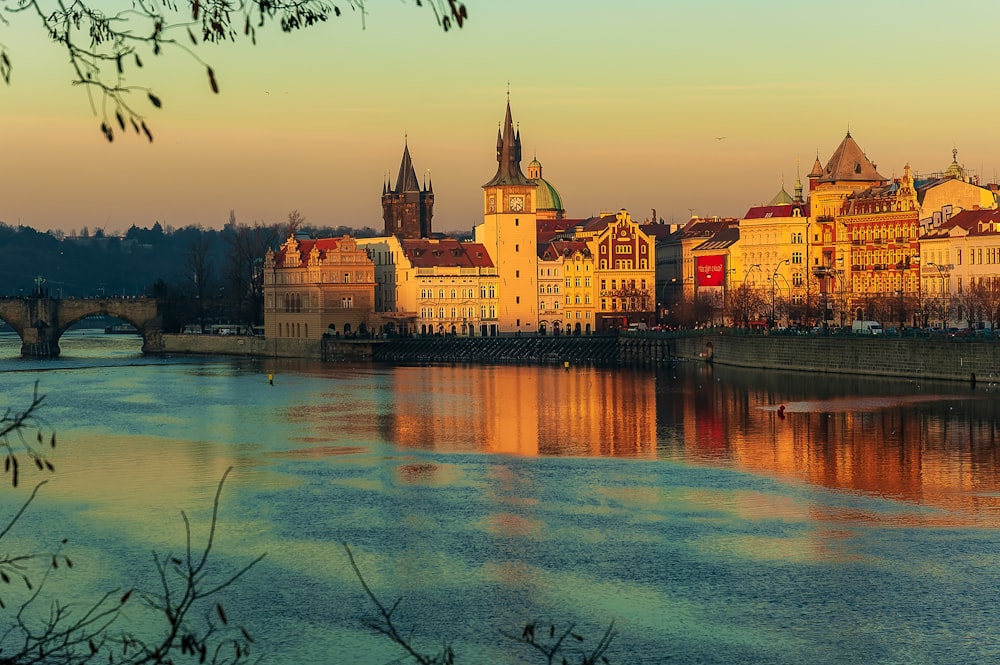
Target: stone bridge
[41, 321]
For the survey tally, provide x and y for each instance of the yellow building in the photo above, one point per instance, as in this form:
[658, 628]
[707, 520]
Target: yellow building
[960, 269]
[773, 257]
[434, 286]
[568, 268]
[508, 233]
[312, 287]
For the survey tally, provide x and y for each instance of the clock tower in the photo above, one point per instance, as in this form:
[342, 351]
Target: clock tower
[509, 234]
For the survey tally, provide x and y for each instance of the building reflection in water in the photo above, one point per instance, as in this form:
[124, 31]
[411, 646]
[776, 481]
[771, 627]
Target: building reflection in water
[524, 411]
[933, 444]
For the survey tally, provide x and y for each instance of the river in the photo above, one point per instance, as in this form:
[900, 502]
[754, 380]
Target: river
[860, 524]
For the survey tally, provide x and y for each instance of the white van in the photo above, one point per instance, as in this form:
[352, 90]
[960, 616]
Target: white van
[637, 327]
[866, 328]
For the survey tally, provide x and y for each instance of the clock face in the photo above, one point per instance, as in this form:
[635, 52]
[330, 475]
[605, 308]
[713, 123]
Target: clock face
[517, 203]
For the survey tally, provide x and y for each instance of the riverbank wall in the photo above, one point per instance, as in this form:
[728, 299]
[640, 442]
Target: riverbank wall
[916, 358]
[953, 359]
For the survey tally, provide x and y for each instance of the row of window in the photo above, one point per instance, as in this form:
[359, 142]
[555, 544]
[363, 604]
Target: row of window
[626, 264]
[453, 313]
[324, 277]
[626, 284]
[466, 294]
[624, 249]
[292, 303]
[887, 235]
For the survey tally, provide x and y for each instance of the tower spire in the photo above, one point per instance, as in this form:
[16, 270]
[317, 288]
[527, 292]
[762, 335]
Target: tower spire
[508, 154]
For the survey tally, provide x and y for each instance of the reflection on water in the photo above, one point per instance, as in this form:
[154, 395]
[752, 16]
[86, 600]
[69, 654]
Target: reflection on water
[858, 525]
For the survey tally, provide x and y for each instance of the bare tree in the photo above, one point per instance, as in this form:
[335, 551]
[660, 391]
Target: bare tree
[294, 223]
[245, 270]
[199, 269]
[746, 304]
[974, 303]
[81, 632]
[555, 644]
[105, 49]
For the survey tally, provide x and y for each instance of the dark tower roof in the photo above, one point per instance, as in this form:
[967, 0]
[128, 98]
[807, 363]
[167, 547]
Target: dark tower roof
[406, 181]
[850, 163]
[508, 156]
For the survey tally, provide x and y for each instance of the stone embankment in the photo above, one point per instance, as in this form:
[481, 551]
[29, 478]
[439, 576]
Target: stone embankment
[600, 351]
[937, 358]
[955, 359]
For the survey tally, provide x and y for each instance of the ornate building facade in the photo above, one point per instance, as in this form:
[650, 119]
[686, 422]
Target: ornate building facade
[313, 287]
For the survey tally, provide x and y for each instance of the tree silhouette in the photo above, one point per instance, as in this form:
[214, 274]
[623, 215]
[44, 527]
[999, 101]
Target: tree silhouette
[192, 619]
[105, 49]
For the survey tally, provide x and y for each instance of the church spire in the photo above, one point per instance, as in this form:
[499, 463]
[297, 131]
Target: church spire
[508, 155]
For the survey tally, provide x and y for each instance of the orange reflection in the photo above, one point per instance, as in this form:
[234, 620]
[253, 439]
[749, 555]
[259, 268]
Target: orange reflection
[525, 411]
[935, 446]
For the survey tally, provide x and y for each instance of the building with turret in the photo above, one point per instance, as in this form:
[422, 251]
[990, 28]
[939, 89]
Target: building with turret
[407, 207]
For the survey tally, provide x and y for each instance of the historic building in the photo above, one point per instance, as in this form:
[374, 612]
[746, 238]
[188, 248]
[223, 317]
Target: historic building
[566, 285]
[847, 171]
[434, 286]
[508, 233]
[313, 287]
[960, 268]
[625, 270]
[884, 258]
[407, 208]
[773, 254]
[941, 196]
[675, 262]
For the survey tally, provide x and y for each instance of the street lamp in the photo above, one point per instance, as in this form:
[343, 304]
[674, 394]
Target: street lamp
[774, 278]
[944, 272]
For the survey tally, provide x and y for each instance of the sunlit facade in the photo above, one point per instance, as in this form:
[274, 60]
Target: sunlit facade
[315, 287]
[434, 286]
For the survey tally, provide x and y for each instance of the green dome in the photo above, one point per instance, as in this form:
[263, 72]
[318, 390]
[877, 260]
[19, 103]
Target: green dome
[547, 196]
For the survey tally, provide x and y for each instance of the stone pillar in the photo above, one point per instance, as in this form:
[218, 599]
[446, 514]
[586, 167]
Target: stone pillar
[40, 334]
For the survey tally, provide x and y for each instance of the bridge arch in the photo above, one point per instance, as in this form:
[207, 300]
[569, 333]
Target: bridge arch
[40, 321]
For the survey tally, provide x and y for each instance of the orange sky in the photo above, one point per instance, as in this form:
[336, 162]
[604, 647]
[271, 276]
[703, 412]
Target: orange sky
[622, 103]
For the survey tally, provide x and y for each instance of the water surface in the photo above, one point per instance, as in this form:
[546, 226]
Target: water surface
[860, 527]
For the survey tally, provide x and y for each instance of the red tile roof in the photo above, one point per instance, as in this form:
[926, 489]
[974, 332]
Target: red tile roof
[969, 220]
[556, 248]
[305, 248]
[446, 253]
[783, 210]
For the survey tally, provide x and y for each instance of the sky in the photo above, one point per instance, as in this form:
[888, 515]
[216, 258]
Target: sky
[677, 106]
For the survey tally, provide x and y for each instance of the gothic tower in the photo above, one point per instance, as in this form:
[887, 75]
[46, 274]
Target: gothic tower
[406, 208]
[509, 233]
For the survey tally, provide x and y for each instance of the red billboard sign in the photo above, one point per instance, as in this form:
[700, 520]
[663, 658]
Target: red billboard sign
[710, 270]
